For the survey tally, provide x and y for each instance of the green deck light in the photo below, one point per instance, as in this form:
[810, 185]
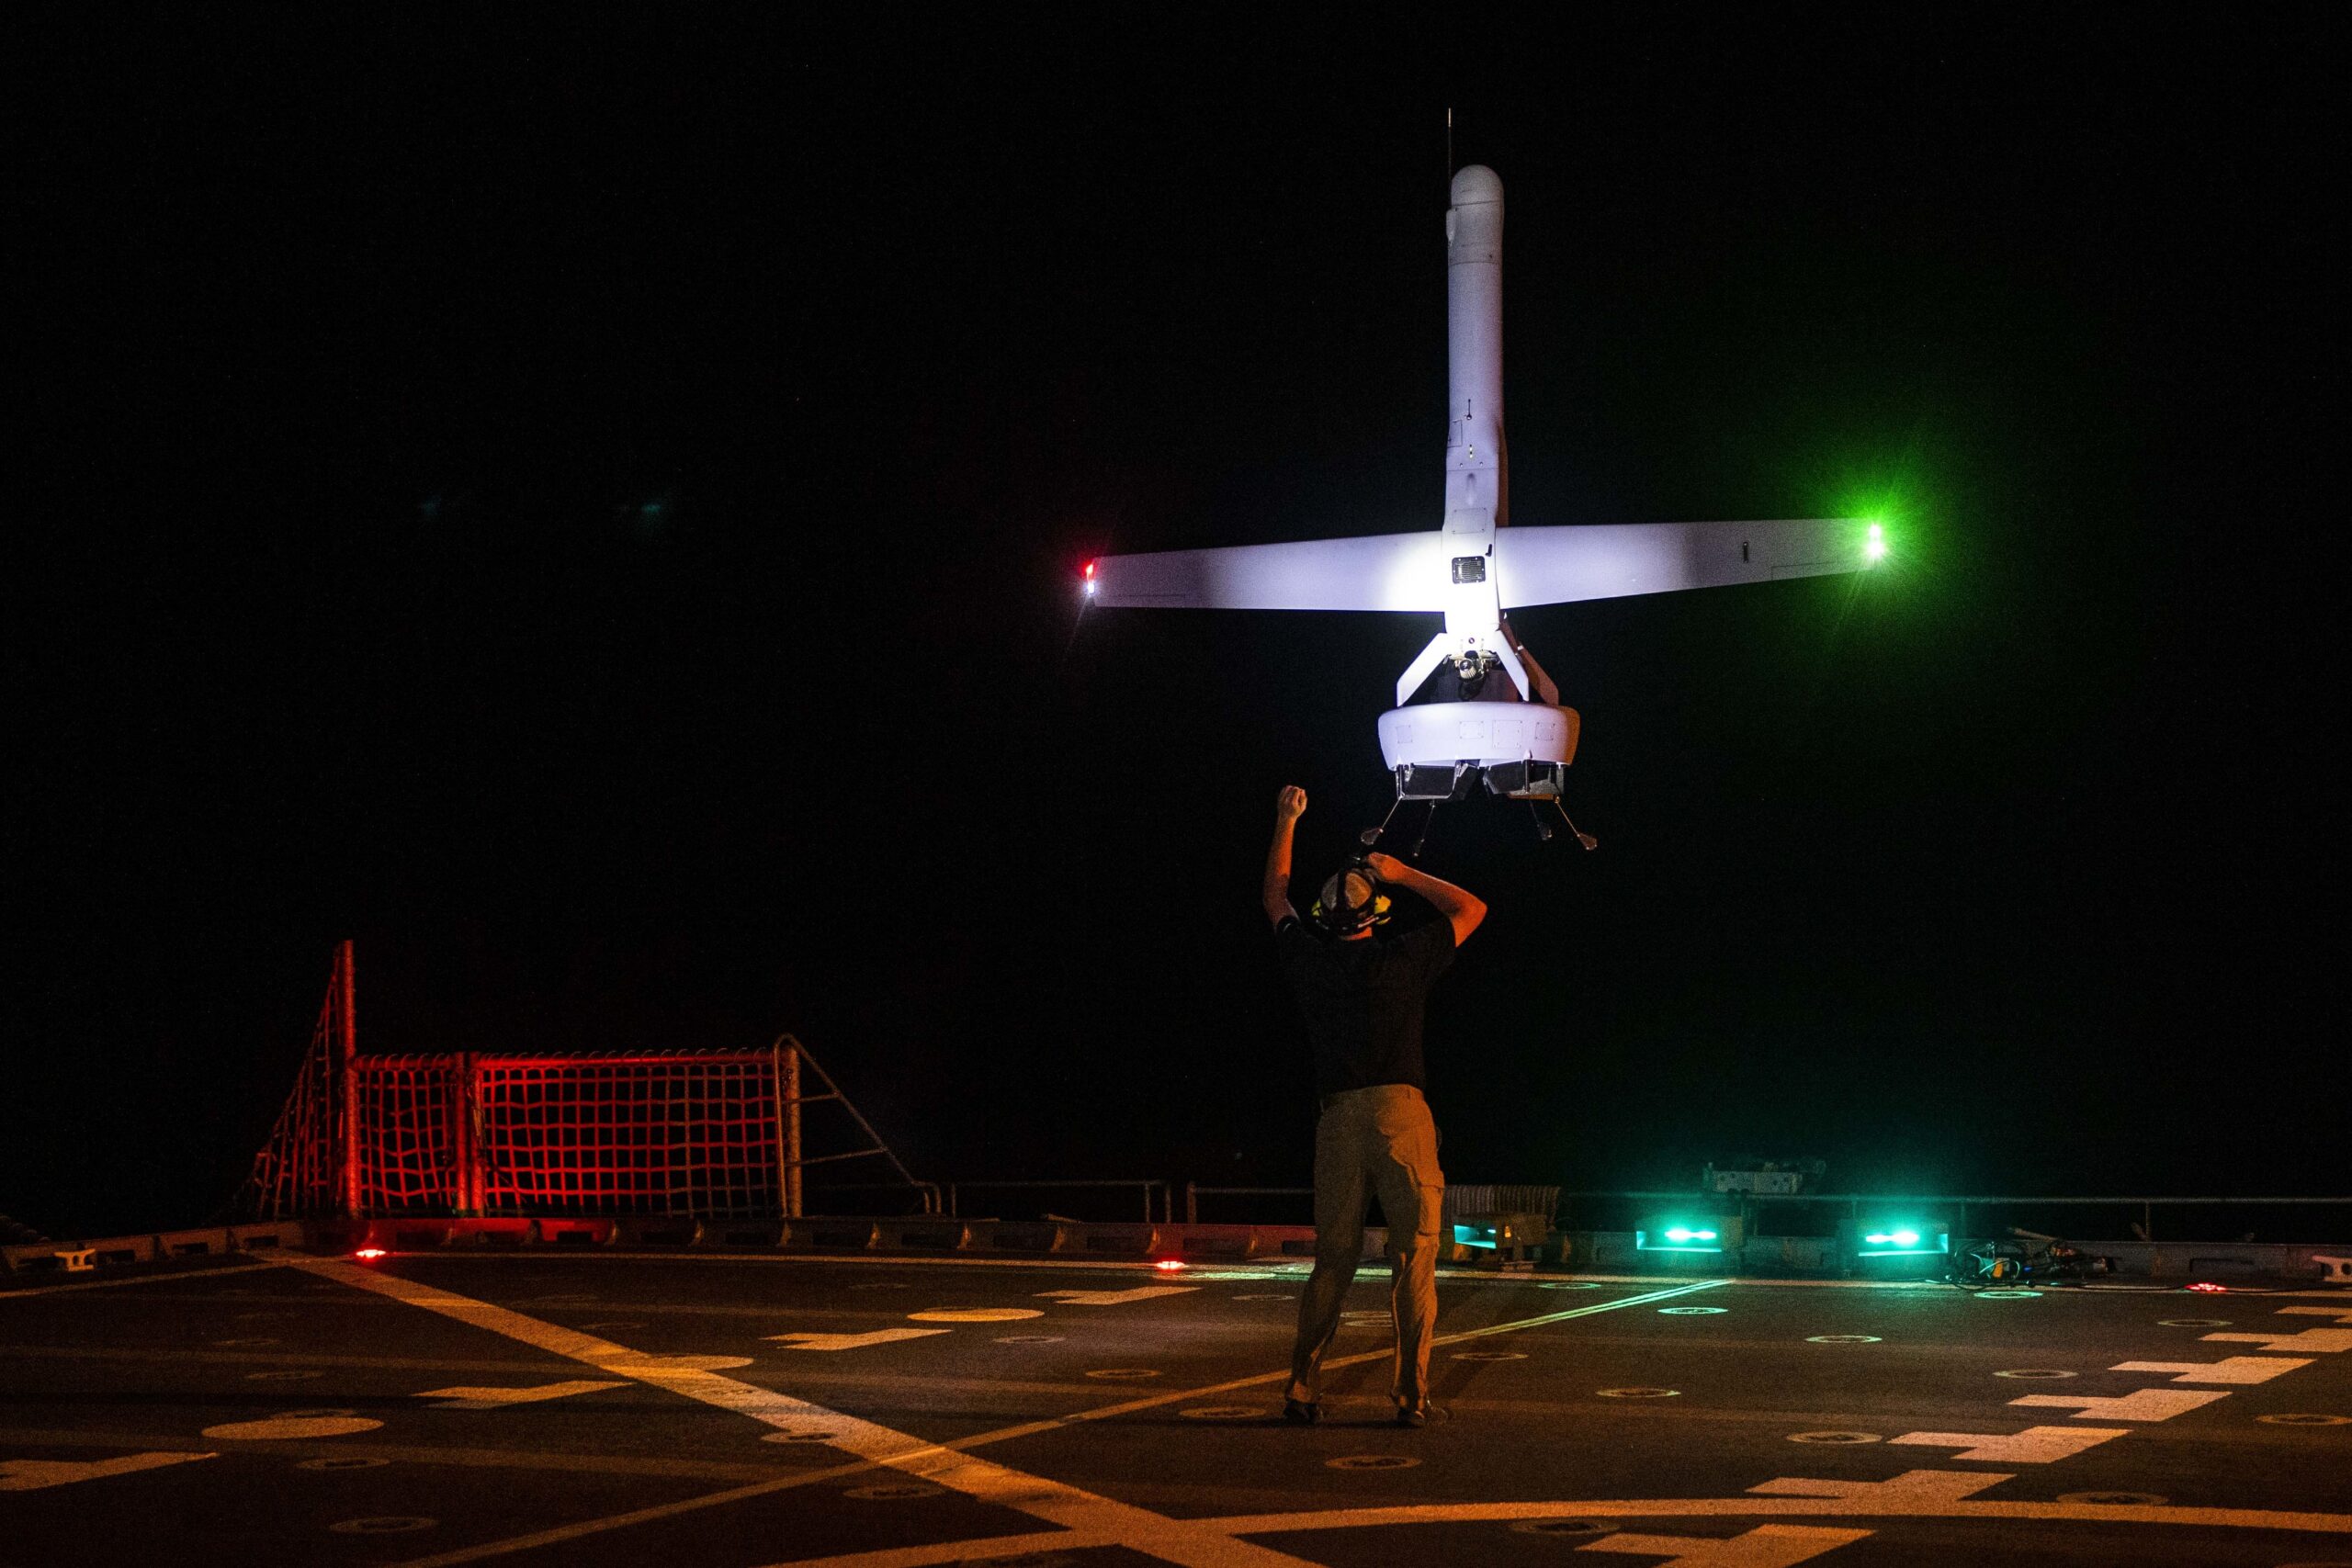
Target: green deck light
[1902, 1238]
[1680, 1232]
[1874, 546]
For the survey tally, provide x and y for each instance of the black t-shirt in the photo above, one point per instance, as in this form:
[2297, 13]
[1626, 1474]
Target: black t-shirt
[1363, 1000]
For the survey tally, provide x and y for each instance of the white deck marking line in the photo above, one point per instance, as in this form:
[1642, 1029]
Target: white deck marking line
[1003, 1434]
[1114, 1298]
[499, 1398]
[2325, 1340]
[1100, 1518]
[1766, 1546]
[850, 1341]
[1883, 1501]
[179, 1275]
[2229, 1369]
[2140, 1405]
[34, 1474]
[2035, 1445]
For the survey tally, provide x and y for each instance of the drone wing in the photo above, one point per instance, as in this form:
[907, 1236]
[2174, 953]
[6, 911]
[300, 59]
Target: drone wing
[1556, 565]
[1375, 571]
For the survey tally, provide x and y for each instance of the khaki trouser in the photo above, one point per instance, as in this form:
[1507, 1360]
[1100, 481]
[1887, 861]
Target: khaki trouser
[1382, 1141]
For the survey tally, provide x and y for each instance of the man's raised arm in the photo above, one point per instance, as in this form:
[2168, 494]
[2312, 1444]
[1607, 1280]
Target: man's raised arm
[1464, 910]
[1289, 806]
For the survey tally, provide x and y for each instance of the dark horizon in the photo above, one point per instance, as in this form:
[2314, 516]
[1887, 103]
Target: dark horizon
[592, 512]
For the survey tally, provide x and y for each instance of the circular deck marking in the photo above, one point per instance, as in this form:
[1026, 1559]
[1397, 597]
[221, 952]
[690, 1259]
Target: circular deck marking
[1835, 1437]
[1223, 1413]
[384, 1524]
[1688, 1312]
[1842, 1339]
[246, 1344]
[600, 1327]
[285, 1376]
[563, 1298]
[974, 1315]
[1490, 1355]
[2192, 1323]
[1029, 1339]
[293, 1425]
[349, 1461]
[1372, 1462]
[1639, 1393]
[894, 1491]
[2005, 1295]
[2035, 1373]
[796, 1437]
[1123, 1374]
[1562, 1527]
[1566, 1285]
[1267, 1296]
[2141, 1499]
[2306, 1420]
[880, 1285]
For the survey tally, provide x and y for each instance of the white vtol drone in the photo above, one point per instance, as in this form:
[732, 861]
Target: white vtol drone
[1474, 568]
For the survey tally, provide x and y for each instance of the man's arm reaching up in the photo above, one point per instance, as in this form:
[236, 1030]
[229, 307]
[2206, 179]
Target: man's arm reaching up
[1464, 910]
[1289, 806]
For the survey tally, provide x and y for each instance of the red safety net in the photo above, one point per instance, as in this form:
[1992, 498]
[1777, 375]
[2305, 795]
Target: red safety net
[686, 1133]
[706, 1133]
[299, 1171]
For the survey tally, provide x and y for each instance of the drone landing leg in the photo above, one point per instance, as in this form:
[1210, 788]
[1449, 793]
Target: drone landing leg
[1587, 840]
[1543, 829]
[1422, 842]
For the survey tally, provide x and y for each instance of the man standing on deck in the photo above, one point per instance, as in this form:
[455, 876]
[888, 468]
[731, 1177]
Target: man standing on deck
[1362, 996]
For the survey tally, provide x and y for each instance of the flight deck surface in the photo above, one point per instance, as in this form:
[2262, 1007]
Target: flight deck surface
[536, 1407]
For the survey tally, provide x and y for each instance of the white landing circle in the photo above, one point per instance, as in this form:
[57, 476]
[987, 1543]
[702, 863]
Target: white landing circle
[895, 1491]
[246, 1344]
[797, 1437]
[1562, 1527]
[1835, 1437]
[1223, 1413]
[1639, 1393]
[1123, 1375]
[974, 1315]
[2035, 1373]
[1490, 1355]
[347, 1461]
[2305, 1420]
[1029, 1339]
[1372, 1462]
[2126, 1499]
[1842, 1339]
[287, 1376]
[384, 1524]
[2006, 1295]
[2192, 1323]
[293, 1425]
[1688, 1312]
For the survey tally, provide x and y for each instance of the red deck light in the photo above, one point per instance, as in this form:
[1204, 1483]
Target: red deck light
[1169, 1265]
[368, 1254]
[2210, 1288]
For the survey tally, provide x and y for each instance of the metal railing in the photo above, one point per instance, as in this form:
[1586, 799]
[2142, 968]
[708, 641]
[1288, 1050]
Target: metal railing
[1194, 1192]
[1959, 1207]
[1157, 1201]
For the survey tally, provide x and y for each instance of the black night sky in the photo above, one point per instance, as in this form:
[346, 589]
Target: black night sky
[588, 504]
